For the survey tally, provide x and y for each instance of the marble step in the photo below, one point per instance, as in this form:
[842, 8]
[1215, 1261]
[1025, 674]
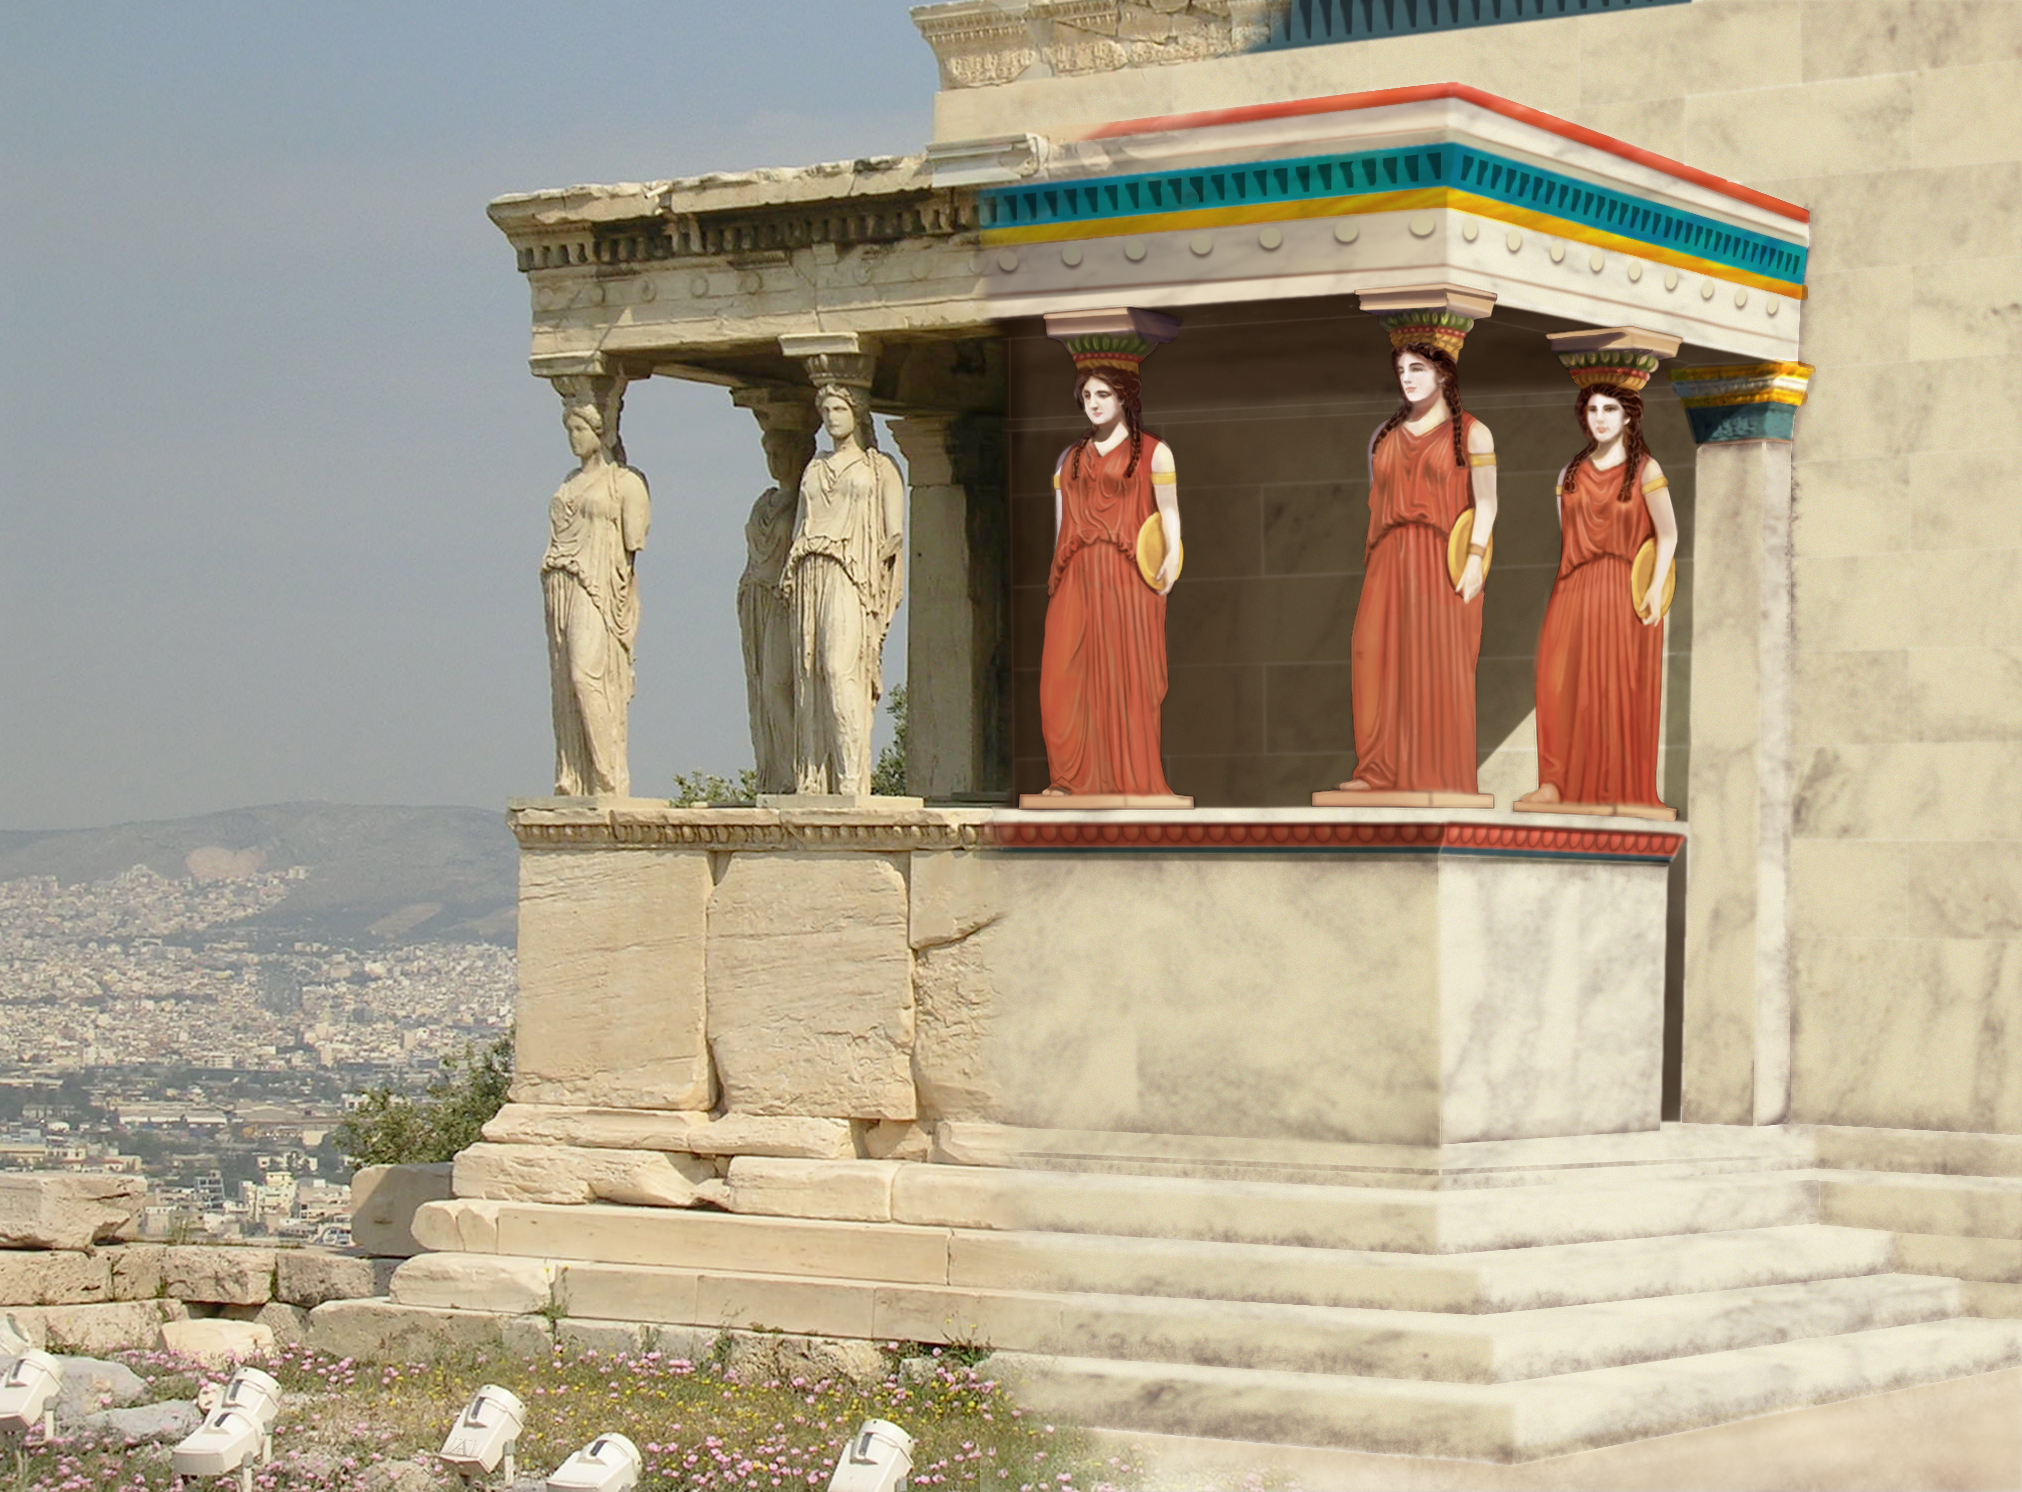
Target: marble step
[1505, 1421]
[1503, 1280]
[1314, 1339]
[1347, 1217]
[1958, 1206]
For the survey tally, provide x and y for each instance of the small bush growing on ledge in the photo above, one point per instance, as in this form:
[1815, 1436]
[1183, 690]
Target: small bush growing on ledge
[392, 1129]
[348, 1426]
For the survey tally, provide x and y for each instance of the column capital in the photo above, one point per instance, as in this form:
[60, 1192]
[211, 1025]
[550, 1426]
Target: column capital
[778, 409]
[1742, 401]
[1625, 356]
[833, 357]
[926, 442]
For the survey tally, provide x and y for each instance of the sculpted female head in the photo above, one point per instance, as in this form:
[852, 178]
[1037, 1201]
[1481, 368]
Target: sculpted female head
[1424, 372]
[1104, 394]
[1606, 411]
[845, 411]
[585, 426]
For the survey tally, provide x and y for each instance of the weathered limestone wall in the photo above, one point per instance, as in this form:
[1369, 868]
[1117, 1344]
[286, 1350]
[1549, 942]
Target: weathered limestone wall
[1269, 408]
[1900, 126]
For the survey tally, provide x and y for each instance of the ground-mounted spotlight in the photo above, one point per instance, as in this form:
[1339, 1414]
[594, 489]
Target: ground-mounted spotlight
[878, 1458]
[28, 1391]
[486, 1435]
[14, 1339]
[610, 1463]
[235, 1436]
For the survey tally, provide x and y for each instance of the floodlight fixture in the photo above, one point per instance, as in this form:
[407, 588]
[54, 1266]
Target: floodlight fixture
[28, 1391]
[14, 1338]
[878, 1458]
[610, 1463]
[486, 1435]
[237, 1434]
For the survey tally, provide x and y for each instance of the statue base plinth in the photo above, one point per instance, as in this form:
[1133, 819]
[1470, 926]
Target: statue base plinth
[837, 802]
[1654, 811]
[1378, 798]
[1061, 802]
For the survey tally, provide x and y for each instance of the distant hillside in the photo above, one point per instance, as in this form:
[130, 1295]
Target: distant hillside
[376, 874]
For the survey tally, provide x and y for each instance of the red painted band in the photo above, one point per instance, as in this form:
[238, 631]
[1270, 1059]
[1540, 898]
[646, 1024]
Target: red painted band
[1341, 103]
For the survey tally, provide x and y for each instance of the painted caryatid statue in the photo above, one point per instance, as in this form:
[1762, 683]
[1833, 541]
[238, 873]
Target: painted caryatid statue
[1432, 511]
[765, 621]
[1116, 556]
[597, 524]
[1601, 653]
[844, 575]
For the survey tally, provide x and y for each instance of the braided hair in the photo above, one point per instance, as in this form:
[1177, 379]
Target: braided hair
[1633, 448]
[1449, 386]
[1128, 387]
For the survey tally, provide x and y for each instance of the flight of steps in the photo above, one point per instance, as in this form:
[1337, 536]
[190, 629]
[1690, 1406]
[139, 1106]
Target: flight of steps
[1505, 1313]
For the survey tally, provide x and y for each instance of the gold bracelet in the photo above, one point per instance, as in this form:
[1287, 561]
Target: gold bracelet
[1481, 549]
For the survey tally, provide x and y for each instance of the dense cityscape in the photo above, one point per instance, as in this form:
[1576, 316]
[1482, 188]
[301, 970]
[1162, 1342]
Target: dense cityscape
[149, 1023]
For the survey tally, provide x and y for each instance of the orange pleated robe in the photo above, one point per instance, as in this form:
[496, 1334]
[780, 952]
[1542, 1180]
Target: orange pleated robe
[1599, 668]
[1416, 643]
[1102, 672]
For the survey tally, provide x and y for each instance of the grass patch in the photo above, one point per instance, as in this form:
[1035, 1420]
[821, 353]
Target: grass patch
[348, 1426]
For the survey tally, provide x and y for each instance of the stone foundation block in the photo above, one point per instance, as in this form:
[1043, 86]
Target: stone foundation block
[308, 1277]
[848, 1190]
[115, 1326]
[782, 1135]
[476, 1282]
[54, 1278]
[136, 1270]
[223, 1276]
[384, 1331]
[91, 1384]
[383, 1200]
[810, 986]
[571, 1173]
[611, 1001]
[39, 1210]
[459, 1225]
[764, 1357]
[615, 1129]
[217, 1341]
[289, 1324]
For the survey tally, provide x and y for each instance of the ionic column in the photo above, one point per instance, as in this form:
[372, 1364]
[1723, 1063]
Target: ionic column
[1738, 971]
[957, 670]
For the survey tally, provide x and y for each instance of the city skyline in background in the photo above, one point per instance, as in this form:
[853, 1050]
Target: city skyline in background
[280, 472]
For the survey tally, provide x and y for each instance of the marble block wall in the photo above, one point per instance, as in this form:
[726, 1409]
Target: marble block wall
[1269, 408]
[1386, 998]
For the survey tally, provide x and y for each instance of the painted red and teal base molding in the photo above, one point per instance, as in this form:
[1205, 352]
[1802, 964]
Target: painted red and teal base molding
[1742, 401]
[1499, 840]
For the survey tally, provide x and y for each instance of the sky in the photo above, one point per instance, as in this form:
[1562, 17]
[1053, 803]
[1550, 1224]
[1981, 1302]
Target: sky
[275, 472]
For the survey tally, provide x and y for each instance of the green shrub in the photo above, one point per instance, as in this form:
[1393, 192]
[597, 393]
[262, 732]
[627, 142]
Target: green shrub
[394, 1129]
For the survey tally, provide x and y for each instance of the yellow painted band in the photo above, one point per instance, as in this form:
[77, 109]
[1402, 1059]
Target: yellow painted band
[1165, 478]
[1416, 199]
[1794, 397]
[1486, 458]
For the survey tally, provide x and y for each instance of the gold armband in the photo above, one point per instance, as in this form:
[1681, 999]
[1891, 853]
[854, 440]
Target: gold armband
[1165, 478]
[1656, 484]
[1056, 479]
[1482, 458]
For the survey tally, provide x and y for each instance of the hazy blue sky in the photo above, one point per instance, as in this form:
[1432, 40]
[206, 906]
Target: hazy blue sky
[276, 475]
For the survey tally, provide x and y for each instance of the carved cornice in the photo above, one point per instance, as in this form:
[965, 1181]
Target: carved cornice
[1451, 838]
[546, 824]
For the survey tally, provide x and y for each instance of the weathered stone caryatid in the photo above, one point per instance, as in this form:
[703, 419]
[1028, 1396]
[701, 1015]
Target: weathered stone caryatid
[597, 525]
[1116, 555]
[1601, 654]
[1432, 508]
[764, 620]
[845, 571]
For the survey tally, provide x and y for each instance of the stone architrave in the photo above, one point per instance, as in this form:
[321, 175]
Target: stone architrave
[845, 571]
[597, 523]
[765, 622]
[610, 1009]
[810, 995]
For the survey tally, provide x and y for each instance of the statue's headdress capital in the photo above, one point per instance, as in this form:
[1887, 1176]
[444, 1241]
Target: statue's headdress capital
[833, 357]
[1438, 315]
[1624, 356]
[1122, 338]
